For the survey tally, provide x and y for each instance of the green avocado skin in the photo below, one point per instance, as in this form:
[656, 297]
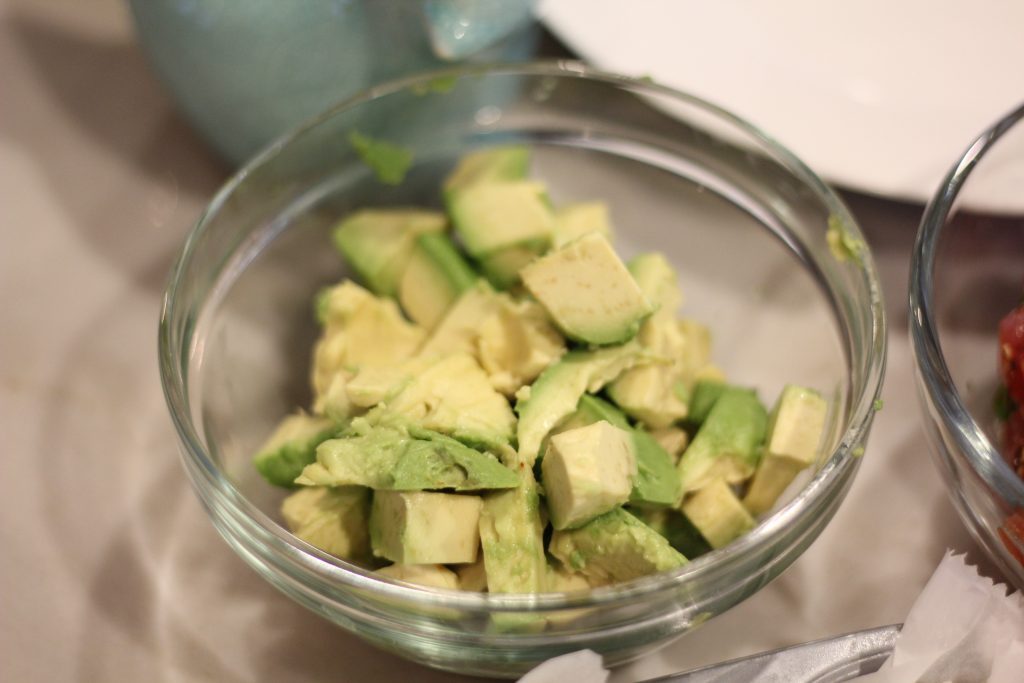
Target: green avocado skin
[391, 459]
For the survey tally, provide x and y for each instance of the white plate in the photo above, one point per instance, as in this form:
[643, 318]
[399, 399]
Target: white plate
[876, 95]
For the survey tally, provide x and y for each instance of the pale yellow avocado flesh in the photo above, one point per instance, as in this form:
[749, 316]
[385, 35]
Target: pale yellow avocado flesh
[718, 514]
[332, 519]
[432, 575]
[422, 527]
[588, 291]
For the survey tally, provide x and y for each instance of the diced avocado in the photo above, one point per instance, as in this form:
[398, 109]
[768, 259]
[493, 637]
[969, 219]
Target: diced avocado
[588, 291]
[332, 519]
[335, 402]
[614, 547]
[586, 472]
[377, 243]
[794, 431]
[512, 538]
[459, 328]
[361, 330]
[656, 482]
[702, 398]
[515, 343]
[494, 215]
[593, 409]
[388, 161]
[673, 440]
[487, 165]
[372, 385]
[718, 514]
[385, 458]
[472, 577]
[562, 580]
[576, 220]
[502, 267]
[453, 396]
[433, 575]
[557, 391]
[679, 531]
[291, 447]
[338, 303]
[649, 394]
[435, 276]
[727, 445]
[425, 528]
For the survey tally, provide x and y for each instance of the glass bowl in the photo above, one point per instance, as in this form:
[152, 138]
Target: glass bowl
[743, 221]
[967, 272]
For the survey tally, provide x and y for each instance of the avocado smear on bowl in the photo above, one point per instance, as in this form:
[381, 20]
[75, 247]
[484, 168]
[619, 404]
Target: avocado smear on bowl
[501, 404]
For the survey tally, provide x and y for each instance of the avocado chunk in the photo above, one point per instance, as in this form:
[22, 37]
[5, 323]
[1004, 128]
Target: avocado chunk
[562, 580]
[576, 220]
[472, 577]
[656, 482]
[703, 397]
[515, 343]
[673, 439]
[432, 575]
[458, 330]
[718, 514]
[649, 393]
[385, 458]
[501, 267]
[509, 162]
[361, 330]
[614, 547]
[291, 447]
[377, 243]
[795, 427]
[557, 391]
[453, 396]
[512, 538]
[494, 215]
[435, 276]
[679, 531]
[425, 528]
[332, 519]
[586, 472]
[727, 444]
[588, 291]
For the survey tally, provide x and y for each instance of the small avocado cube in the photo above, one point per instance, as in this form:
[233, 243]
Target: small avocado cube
[588, 291]
[673, 439]
[384, 458]
[586, 472]
[332, 519]
[718, 514]
[472, 577]
[493, 215]
[377, 243]
[454, 396]
[727, 444]
[795, 427]
[658, 280]
[459, 328]
[501, 267]
[425, 528]
[512, 538]
[656, 482]
[435, 276]
[576, 220]
[508, 162]
[703, 397]
[556, 392]
[676, 528]
[614, 547]
[432, 575]
[562, 580]
[516, 342]
[291, 447]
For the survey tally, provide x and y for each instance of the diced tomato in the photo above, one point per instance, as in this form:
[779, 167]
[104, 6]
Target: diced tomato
[1011, 533]
[1011, 353]
[1013, 440]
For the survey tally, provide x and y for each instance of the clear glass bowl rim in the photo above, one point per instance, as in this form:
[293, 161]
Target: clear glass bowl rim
[983, 456]
[174, 358]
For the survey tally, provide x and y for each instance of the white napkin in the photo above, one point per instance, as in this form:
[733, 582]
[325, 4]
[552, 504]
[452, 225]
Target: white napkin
[962, 628]
[583, 665]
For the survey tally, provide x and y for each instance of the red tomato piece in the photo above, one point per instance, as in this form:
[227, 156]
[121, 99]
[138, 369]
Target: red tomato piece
[1011, 353]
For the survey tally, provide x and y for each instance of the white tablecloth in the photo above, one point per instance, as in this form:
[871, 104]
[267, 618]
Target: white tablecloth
[109, 569]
